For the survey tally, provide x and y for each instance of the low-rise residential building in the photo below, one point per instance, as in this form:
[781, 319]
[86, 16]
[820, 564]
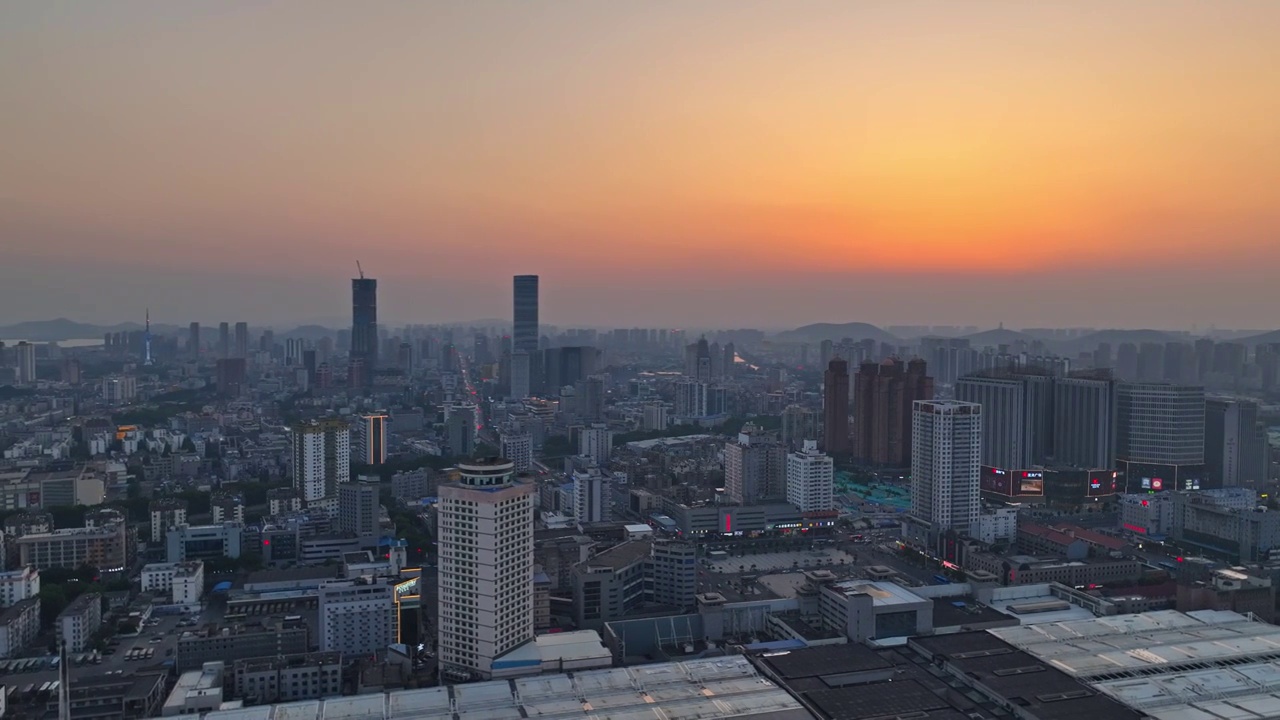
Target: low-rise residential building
[18, 585]
[183, 582]
[19, 626]
[79, 621]
[196, 692]
[289, 678]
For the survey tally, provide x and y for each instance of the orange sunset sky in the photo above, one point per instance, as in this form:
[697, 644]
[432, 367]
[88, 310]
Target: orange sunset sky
[681, 164]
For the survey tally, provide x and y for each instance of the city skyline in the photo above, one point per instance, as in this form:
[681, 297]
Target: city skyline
[894, 163]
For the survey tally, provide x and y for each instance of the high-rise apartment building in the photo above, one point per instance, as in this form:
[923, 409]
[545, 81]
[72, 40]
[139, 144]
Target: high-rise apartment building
[596, 442]
[461, 428]
[945, 467]
[1084, 430]
[835, 407]
[193, 340]
[224, 340]
[26, 362]
[242, 340]
[1235, 444]
[883, 396]
[485, 542]
[799, 423]
[754, 467]
[810, 479]
[521, 375]
[373, 438]
[592, 496]
[364, 327]
[1160, 436]
[524, 334]
[321, 458]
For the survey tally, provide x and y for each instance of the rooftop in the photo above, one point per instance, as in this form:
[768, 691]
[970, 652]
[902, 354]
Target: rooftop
[882, 593]
[711, 689]
[619, 556]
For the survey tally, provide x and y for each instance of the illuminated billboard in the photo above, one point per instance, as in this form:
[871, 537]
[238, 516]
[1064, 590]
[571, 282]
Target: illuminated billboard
[997, 481]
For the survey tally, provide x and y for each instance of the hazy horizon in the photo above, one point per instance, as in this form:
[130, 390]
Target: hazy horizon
[718, 164]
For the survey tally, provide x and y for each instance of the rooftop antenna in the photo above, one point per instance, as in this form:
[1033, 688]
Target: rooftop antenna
[360, 269]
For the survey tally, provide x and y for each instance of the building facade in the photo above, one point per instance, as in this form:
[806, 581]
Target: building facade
[321, 458]
[883, 396]
[485, 541]
[945, 467]
[810, 479]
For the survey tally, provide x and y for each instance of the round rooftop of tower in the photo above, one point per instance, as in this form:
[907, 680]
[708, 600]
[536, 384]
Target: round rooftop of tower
[486, 471]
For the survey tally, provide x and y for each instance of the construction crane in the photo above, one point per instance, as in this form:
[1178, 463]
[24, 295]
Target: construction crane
[360, 269]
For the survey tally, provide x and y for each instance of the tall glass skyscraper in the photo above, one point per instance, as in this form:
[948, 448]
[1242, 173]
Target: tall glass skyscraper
[525, 325]
[364, 325]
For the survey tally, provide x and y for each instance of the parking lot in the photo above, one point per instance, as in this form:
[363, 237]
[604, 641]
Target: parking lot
[785, 560]
[155, 644]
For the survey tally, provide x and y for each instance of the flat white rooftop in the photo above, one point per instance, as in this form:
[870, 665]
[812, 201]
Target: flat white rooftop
[709, 689]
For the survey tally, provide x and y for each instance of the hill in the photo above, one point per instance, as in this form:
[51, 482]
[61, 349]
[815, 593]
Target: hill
[818, 332]
[1263, 339]
[996, 337]
[61, 329]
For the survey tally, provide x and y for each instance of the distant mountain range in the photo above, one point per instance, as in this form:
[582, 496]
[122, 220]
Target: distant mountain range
[818, 332]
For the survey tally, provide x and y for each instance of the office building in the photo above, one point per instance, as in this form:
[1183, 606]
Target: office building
[755, 467]
[883, 396]
[633, 577]
[26, 362]
[183, 582]
[79, 621]
[373, 438]
[565, 366]
[589, 393]
[525, 317]
[105, 548]
[1084, 431]
[231, 376]
[485, 571]
[945, 465]
[193, 340]
[358, 616]
[1236, 450]
[18, 585]
[810, 479]
[321, 458]
[835, 407]
[521, 375]
[358, 509]
[203, 542]
[27, 489]
[596, 442]
[517, 446]
[1160, 436]
[224, 340]
[461, 428]
[593, 496]
[289, 678]
[364, 326]
[1006, 430]
[242, 340]
[270, 637]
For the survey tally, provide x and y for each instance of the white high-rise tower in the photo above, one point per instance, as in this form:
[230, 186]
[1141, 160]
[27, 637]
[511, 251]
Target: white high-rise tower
[946, 445]
[810, 479]
[485, 547]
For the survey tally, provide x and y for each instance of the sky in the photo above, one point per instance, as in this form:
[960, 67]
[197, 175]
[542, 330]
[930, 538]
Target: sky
[667, 163]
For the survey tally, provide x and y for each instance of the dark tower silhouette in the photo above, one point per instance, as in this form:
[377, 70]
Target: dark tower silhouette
[835, 407]
[364, 327]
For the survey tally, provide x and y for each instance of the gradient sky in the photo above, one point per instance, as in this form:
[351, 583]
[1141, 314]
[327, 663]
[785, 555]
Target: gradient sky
[658, 163]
